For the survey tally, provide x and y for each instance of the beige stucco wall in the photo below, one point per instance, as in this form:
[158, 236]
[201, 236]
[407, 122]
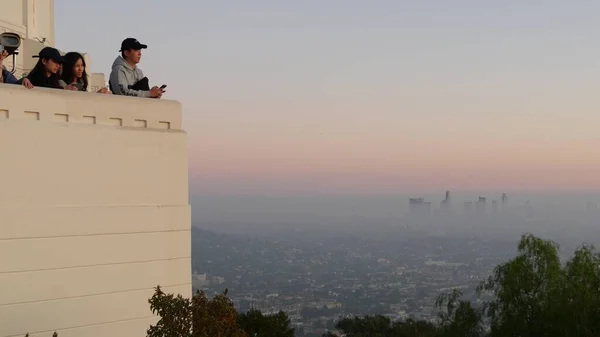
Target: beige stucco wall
[32, 20]
[94, 211]
[97, 81]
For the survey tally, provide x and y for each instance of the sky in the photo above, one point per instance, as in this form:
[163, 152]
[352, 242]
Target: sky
[366, 97]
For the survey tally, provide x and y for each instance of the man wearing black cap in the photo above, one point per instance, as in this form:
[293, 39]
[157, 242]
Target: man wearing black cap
[126, 78]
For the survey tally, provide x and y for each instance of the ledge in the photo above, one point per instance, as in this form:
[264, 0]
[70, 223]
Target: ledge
[63, 106]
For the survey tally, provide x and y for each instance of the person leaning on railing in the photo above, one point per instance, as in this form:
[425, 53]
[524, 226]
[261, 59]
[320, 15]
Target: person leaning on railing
[126, 78]
[45, 73]
[7, 77]
[74, 76]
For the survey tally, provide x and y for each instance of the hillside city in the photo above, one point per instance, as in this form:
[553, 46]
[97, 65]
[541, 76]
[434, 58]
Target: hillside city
[316, 283]
[317, 278]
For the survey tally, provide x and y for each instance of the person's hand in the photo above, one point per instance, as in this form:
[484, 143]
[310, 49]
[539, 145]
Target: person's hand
[27, 83]
[71, 87]
[105, 91]
[156, 92]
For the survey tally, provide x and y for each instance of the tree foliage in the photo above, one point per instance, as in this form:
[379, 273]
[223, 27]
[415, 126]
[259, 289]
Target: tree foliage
[381, 326]
[198, 317]
[457, 317]
[174, 312]
[368, 326]
[215, 317]
[526, 290]
[254, 323]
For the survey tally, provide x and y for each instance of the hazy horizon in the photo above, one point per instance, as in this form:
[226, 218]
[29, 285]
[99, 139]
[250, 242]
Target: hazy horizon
[364, 209]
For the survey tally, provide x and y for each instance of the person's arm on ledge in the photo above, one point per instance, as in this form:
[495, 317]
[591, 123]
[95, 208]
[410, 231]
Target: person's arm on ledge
[11, 79]
[8, 77]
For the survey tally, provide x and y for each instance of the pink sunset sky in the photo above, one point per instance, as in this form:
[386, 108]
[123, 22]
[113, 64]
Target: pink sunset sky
[389, 96]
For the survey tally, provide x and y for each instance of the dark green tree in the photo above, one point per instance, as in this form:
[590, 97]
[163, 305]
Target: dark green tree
[255, 324]
[414, 328]
[367, 326]
[527, 291]
[380, 326]
[458, 318]
[578, 311]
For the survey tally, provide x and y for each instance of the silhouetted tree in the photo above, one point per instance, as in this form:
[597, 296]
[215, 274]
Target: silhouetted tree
[367, 326]
[458, 318]
[255, 324]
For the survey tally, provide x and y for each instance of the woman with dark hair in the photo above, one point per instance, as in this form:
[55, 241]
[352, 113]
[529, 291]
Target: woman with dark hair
[45, 72]
[74, 76]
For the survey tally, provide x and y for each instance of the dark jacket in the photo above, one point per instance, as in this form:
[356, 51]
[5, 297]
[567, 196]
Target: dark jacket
[39, 79]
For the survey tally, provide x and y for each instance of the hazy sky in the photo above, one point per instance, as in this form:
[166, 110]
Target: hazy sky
[343, 96]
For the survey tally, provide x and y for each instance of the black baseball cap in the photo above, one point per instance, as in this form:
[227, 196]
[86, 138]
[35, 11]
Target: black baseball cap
[50, 53]
[132, 43]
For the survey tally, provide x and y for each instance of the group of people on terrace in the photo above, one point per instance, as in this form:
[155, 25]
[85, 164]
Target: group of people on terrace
[68, 72]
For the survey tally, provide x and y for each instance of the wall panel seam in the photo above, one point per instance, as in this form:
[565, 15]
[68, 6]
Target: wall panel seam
[97, 294]
[88, 325]
[94, 234]
[95, 265]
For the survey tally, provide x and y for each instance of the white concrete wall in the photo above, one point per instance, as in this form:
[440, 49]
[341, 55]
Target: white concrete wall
[94, 211]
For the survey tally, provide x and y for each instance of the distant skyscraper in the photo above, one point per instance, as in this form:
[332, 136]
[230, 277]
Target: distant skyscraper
[480, 206]
[504, 202]
[445, 205]
[419, 207]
